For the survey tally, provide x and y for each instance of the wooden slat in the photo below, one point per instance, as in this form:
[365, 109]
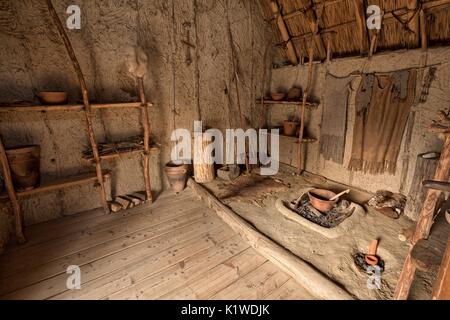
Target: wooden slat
[58, 228]
[163, 284]
[101, 250]
[29, 258]
[69, 107]
[255, 285]
[216, 279]
[288, 103]
[106, 276]
[289, 291]
[60, 184]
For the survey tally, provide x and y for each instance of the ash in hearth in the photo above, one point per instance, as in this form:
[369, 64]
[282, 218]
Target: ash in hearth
[329, 219]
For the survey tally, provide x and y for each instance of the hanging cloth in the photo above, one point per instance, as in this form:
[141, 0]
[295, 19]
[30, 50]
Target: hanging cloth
[334, 118]
[379, 127]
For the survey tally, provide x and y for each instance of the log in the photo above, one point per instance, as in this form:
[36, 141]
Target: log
[292, 55]
[138, 195]
[124, 202]
[115, 207]
[204, 170]
[425, 168]
[306, 275]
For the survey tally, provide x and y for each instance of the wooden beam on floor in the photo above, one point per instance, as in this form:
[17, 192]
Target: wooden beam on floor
[307, 276]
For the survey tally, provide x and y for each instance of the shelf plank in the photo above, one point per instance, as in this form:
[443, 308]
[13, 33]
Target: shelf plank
[68, 107]
[119, 154]
[289, 103]
[295, 139]
[59, 184]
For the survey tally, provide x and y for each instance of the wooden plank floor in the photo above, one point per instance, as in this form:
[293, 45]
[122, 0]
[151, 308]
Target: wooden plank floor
[175, 249]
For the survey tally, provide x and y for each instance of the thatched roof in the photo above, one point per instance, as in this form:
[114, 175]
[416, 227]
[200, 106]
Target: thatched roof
[339, 28]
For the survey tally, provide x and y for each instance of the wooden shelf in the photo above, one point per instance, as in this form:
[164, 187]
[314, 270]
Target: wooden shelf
[68, 107]
[59, 184]
[305, 140]
[288, 103]
[119, 154]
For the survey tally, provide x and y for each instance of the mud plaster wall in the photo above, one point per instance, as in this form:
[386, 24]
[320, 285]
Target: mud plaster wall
[438, 99]
[33, 59]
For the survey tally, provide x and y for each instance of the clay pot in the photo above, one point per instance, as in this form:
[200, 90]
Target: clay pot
[319, 199]
[290, 128]
[177, 176]
[53, 97]
[278, 96]
[294, 94]
[24, 163]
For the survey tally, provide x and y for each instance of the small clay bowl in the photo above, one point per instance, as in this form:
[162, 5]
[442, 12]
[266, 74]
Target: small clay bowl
[53, 97]
[278, 96]
[371, 260]
[319, 199]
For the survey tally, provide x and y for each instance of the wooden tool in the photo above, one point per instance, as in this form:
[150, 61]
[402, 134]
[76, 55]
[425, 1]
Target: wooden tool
[336, 197]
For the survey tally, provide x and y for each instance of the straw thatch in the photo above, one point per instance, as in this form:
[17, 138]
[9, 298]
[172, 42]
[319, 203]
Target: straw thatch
[338, 27]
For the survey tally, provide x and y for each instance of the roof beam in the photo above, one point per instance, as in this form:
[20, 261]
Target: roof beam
[290, 49]
[360, 13]
[313, 23]
[413, 25]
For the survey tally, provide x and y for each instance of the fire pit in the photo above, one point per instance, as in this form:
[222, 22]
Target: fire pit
[333, 224]
[328, 219]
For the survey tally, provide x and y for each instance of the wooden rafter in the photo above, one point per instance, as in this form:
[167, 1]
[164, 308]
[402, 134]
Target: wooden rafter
[414, 24]
[360, 13]
[290, 49]
[313, 23]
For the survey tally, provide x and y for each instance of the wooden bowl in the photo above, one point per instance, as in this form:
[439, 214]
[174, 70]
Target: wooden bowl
[278, 96]
[53, 97]
[319, 199]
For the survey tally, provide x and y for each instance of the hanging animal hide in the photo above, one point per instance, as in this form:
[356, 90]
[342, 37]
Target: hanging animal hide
[334, 118]
[380, 125]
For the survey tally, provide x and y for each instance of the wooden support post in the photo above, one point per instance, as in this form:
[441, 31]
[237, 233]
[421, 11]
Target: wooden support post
[441, 289]
[306, 94]
[146, 126]
[412, 5]
[360, 13]
[423, 30]
[12, 194]
[424, 223]
[306, 275]
[291, 53]
[87, 105]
